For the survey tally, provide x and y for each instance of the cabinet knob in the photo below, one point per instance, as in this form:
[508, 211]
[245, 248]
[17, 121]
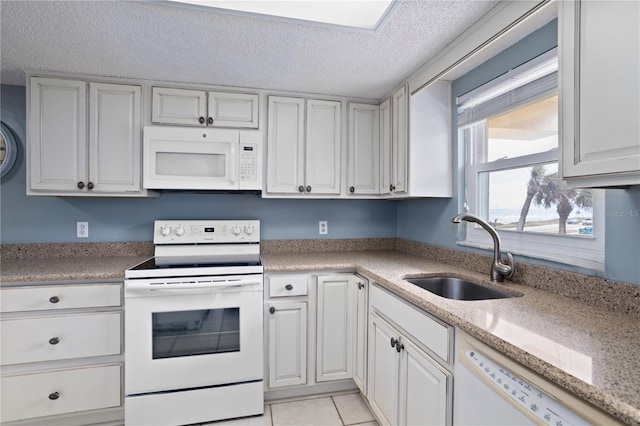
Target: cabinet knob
[360, 285]
[301, 188]
[394, 342]
[54, 299]
[399, 346]
[272, 310]
[288, 287]
[90, 185]
[308, 188]
[54, 341]
[392, 188]
[53, 396]
[80, 185]
[210, 120]
[201, 120]
[352, 189]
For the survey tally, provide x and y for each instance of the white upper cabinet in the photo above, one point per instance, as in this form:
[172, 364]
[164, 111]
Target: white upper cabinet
[68, 157]
[322, 174]
[114, 139]
[363, 166]
[393, 135]
[303, 159]
[430, 155]
[285, 145]
[57, 141]
[205, 109]
[599, 87]
[385, 147]
[399, 141]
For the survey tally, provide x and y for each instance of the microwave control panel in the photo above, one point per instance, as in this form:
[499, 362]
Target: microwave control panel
[248, 162]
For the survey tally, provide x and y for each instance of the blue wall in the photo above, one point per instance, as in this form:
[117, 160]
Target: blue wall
[429, 220]
[51, 219]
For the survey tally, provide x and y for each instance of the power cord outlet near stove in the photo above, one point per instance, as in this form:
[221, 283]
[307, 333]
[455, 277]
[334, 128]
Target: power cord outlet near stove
[323, 227]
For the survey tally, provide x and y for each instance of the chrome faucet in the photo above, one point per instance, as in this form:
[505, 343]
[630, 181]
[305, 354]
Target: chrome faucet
[499, 270]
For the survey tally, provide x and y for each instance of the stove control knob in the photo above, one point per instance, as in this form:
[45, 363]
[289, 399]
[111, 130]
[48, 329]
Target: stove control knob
[165, 231]
[236, 230]
[248, 229]
[179, 231]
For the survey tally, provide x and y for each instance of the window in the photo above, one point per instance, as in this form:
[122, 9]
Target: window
[509, 128]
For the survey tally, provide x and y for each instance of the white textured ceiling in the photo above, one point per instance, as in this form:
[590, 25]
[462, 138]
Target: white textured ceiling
[149, 40]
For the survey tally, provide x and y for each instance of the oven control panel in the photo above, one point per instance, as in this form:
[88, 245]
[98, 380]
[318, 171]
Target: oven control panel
[206, 231]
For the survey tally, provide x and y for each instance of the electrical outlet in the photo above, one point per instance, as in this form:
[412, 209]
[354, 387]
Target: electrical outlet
[323, 227]
[82, 229]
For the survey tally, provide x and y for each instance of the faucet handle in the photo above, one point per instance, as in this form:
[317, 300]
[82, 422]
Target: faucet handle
[512, 265]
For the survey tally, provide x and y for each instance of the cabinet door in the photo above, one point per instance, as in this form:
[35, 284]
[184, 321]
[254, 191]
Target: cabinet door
[363, 167]
[424, 388]
[115, 133]
[233, 110]
[57, 140]
[322, 173]
[399, 141]
[287, 343]
[360, 343]
[179, 106]
[335, 327]
[385, 147]
[600, 86]
[383, 370]
[285, 153]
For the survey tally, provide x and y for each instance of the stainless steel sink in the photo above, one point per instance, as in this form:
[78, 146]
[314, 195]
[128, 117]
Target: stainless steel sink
[458, 289]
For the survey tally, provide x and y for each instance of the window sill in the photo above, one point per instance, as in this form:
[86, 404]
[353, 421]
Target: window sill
[595, 265]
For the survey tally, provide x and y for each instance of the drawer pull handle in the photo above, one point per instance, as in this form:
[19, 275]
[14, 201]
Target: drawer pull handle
[54, 395]
[54, 341]
[272, 310]
[288, 287]
[54, 299]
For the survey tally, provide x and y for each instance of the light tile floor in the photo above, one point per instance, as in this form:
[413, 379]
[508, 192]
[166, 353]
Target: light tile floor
[338, 410]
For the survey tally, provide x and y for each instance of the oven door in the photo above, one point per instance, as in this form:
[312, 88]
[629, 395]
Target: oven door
[178, 158]
[179, 338]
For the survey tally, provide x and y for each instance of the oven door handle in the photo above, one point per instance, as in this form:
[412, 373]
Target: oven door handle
[188, 284]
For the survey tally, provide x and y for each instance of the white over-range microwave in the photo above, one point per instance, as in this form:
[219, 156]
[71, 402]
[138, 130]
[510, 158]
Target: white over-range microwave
[201, 159]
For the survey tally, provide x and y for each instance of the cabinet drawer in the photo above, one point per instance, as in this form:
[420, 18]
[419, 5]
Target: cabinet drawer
[38, 298]
[430, 332]
[288, 285]
[58, 392]
[60, 337]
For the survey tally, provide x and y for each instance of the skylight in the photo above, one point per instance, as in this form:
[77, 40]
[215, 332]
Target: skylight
[366, 14]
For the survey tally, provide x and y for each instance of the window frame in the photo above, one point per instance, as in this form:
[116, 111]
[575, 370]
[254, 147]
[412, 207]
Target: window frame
[580, 251]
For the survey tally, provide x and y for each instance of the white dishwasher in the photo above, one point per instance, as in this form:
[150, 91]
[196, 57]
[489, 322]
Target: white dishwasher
[491, 389]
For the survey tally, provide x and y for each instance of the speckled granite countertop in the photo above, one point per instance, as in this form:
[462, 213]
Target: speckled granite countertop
[588, 350]
[67, 268]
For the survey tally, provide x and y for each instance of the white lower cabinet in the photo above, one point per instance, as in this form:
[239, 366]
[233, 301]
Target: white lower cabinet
[61, 353]
[407, 384]
[361, 318]
[311, 328]
[62, 391]
[287, 343]
[335, 327]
